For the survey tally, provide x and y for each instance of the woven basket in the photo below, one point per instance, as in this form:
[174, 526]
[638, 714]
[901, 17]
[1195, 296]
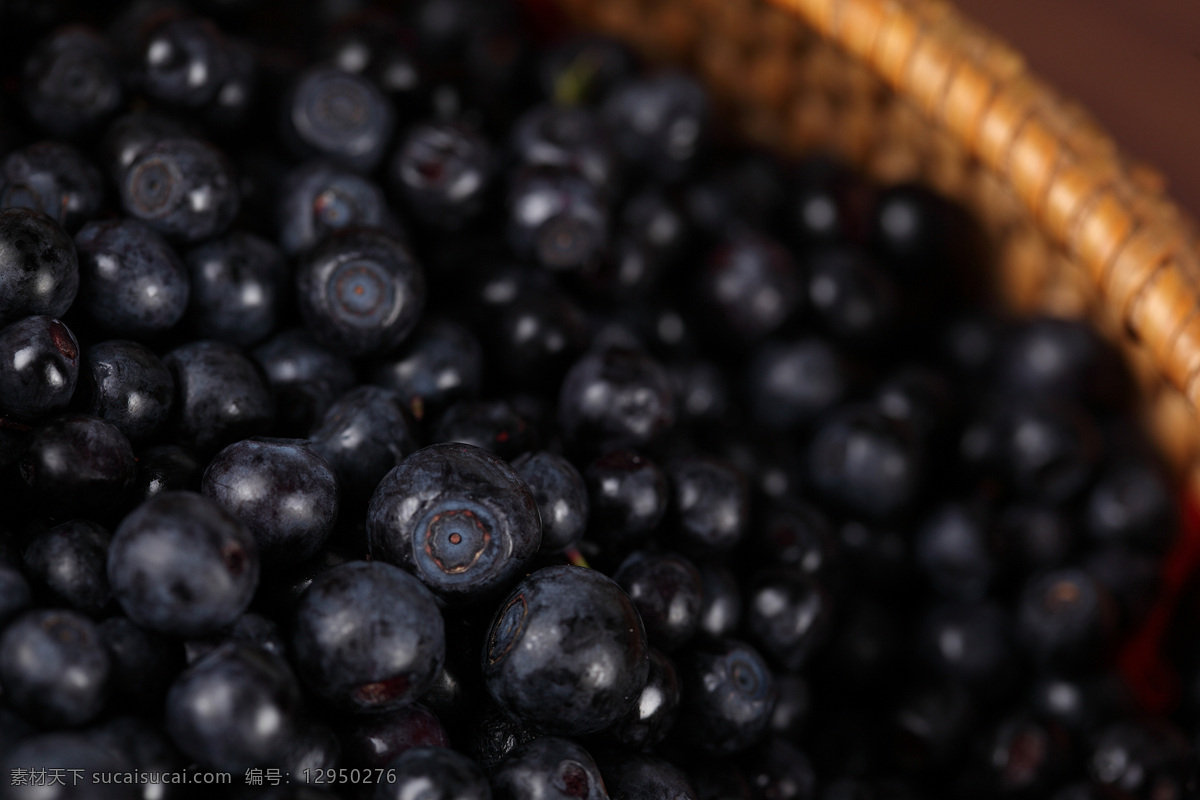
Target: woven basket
[911, 90]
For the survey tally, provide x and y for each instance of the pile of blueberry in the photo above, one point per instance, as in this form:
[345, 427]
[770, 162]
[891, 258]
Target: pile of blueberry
[396, 405]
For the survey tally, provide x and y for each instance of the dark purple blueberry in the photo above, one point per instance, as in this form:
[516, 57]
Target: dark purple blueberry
[821, 207]
[545, 641]
[652, 717]
[969, 343]
[920, 398]
[493, 733]
[458, 517]
[39, 367]
[39, 271]
[931, 726]
[442, 172]
[616, 397]
[220, 395]
[917, 232]
[319, 198]
[536, 338]
[1132, 503]
[71, 82]
[1058, 359]
[1143, 759]
[374, 740]
[250, 629]
[710, 504]
[667, 591]
[53, 668]
[234, 709]
[1028, 538]
[133, 283]
[15, 595]
[237, 288]
[436, 773]
[567, 137]
[492, 425]
[182, 565]
[1047, 452]
[792, 383]
[70, 562]
[778, 770]
[854, 300]
[180, 60]
[951, 549]
[77, 464]
[438, 365]
[1025, 756]
[728, 695]
[363, 435]
[182, 187]
[645, 777]
[1081, 704]
[304, 376]
[627, 495]
[793, 706]
[361, 292]
[561, 497]
[701, 392]
[144, 662]
[282, 490]
[548, 768]
[1131, 578]
[795, 533]
[340, 116]
[132, 133]
[585, 68]
[126, 384]
[721, 601]
[377, 44]
[659, 123]
[1066, 619]
[788, 614]
[166, 468]
[70, 753]
[865, 463]
[148, 748]
[751, 287]
[368, 637]
[557, 218]
[315, 747]
[972, 644]
[53, 178]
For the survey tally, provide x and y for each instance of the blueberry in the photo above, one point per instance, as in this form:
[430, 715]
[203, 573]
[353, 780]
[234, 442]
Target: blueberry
[363, 435]
[305, 377]
[456, 516]
[182, 187]
[220, 395]
[166, 468]
[442, 171]
[1048, 452]
[557, 218]
[701, 392]
[361, 292]
[318, 198]
[972, 644]
[551, 768]
[493, 734]
[234, 709]
[931, 726]
[338, 115]
[374, 740]
[710, 504]
[793, 706]
[856, 302]
[793, 383]
[821, 202]
[1028, 538]
[148, 749]
[1066, 619]
[728, 695]
[368, 637]
[180, 564]
[536, 338]
[70, 560]
[315, 747]
[561, 497]
[250, 629]
[789, 615]
[1057, 359]
[143, 662]
[132, 133]
[645, 777]
[545, 640]
[652, 717]
[237, 288]
[66, 751]
[77, 464]
[438, 365]
[951, 548]
[1025, 755]
[585, 68]
[181, 60]
[916, 231]
[490, 425]
[565, 137]
[920, 398]
[134, 284]
[659, 123]
[55, 179]
[70, 81]
[628, 497]
[39, 368]
[1132, 503]
[15, 594]
[720, 601]
[282, 490]
[750, 288]
[795, 533]
[39, 271]
[436, 772]
[53, 668]
[616, 398]
[126, 384]
[667, 590]
[1151, 759]
[781, 771]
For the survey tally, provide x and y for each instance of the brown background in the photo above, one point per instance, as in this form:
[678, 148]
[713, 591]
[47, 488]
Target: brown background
[1134, 63]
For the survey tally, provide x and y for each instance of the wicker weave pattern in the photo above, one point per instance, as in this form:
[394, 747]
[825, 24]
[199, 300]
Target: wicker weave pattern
[910, 90]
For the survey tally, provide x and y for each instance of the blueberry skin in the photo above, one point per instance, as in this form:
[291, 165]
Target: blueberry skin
[438, 365]
[70, 560]
[363, 435]
[567, 137]
[165, 468]
[728, 695]
[855, 301]
[39, 368]
[340, 116]
[161, 185]
[548, 768]
[146, 745]
[616, 398]
[182, 60]
[442, 171]
[557, 218]
[628, 497]
[751, 286]
[952, 551]
[15, 594]
[134, 284]
[789, 615]
[545, 640]
[70, 82]
[54, 668]
[437, 773]
[55, 179]
[282, 490]
[368, 637]
[721, 601]
[1066, 620]
[314, 747]
[710, 504]
[659, 123]
[1131, 503]
[493, 734]
[642, 776]
[652, 717]
[561, 497]
[237, 288]
[456, 516]
[1048, 452]
[68, 751]
[144, 663]
[180, 564]
[971, 644]
[126, 384]
[667, 591]
[492, 425]
[792, 383]
[781, 771]
[132, 133]
[39, 271]
[77, 464]
[375, 740]
[318, 198]
[360, 292]
[220, 396]
[305, 377]
[1143, 759]
[236, 708]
